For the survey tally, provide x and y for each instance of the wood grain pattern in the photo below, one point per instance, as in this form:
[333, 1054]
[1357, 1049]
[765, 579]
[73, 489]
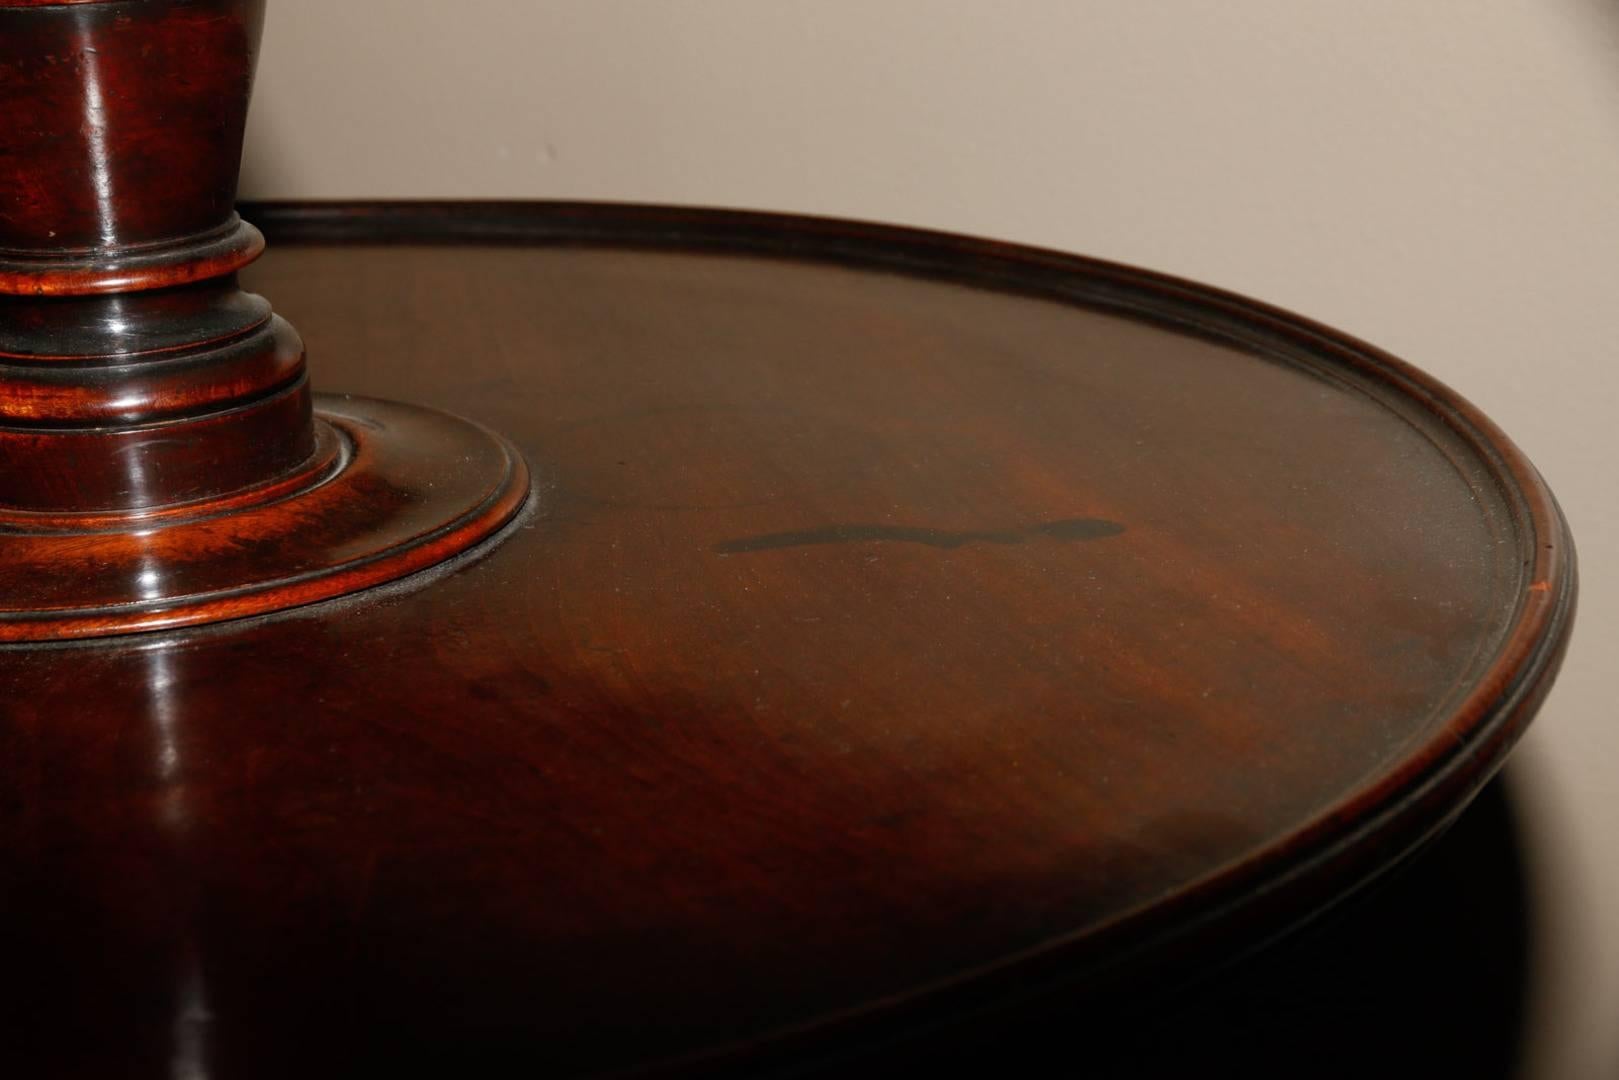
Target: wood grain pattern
[907, 626]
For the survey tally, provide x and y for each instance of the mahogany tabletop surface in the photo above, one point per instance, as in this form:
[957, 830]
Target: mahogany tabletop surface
[901, 627]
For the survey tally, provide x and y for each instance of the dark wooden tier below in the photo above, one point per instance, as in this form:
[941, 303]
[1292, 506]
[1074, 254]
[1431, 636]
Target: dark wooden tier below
[902, 625]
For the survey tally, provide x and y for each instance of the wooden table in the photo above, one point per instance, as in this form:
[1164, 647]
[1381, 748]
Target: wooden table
[902, 630]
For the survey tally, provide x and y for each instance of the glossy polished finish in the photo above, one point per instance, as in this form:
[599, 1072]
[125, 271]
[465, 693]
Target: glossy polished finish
[120, 140]
[395, 490]
[151, 411]
[907, 626]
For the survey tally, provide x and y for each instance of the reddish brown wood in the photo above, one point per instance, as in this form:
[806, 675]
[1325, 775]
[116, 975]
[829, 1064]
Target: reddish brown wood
[120, 140]
[141, 388]
[910, 626]
[389, 496]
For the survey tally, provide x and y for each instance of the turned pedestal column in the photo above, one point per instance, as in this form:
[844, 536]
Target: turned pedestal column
[162, 459]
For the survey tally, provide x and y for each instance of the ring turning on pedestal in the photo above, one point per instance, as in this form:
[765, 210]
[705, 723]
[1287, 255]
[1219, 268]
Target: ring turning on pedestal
[163, 464]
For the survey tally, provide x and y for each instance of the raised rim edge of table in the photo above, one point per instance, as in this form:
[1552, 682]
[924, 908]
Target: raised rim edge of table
[1373, 830]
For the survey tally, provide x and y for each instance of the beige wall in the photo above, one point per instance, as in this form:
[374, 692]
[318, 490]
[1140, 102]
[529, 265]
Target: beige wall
[1439, 177]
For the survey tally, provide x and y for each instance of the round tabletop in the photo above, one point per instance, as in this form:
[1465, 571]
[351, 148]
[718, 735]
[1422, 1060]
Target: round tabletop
[901, 626]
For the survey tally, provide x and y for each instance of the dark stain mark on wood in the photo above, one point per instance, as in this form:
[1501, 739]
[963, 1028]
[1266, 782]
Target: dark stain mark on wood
[1067, 529]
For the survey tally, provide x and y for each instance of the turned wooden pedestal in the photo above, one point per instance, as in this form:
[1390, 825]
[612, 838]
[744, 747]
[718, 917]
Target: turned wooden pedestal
[163, 464]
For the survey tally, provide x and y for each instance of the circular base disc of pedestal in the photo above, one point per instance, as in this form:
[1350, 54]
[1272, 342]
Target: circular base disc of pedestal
[392, 489]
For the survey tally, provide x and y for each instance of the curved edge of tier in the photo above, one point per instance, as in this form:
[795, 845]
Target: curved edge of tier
[1373, 829]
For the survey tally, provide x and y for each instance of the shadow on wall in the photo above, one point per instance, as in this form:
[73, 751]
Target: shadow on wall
[1425, 974]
